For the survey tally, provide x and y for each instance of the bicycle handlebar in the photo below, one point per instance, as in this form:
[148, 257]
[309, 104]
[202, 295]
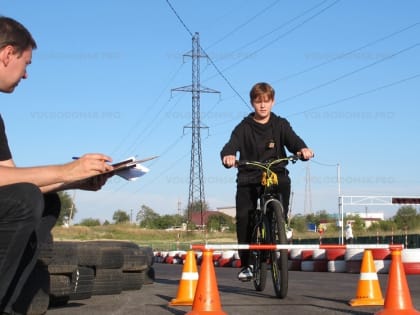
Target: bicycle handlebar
[267, 165]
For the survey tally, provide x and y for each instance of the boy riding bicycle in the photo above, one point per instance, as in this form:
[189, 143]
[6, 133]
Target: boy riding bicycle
[261, 136]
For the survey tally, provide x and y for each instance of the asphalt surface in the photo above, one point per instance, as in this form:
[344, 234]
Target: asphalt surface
[309, 293]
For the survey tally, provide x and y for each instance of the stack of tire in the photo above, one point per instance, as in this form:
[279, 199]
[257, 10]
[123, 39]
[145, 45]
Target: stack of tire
[68, 271]
[336, 260]
[81, 269]
[382, 259]
[353, 258]
[295, 259]
[307, 263]
[411, 261]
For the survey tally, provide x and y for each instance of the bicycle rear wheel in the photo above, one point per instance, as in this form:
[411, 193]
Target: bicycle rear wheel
[279, 258]
[259, 257]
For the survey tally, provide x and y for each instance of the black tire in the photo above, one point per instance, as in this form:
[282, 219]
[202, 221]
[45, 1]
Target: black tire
[64, 258]
[148, 251]
[259, 257]
[279, 258]
[149, 275]
[94, 254]
[132, 280]
[82, 283]
[130, 251]
[135, 260]
[107, 282]
[60, 289]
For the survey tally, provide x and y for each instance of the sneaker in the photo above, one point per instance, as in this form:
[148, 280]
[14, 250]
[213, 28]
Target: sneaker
[245, 274]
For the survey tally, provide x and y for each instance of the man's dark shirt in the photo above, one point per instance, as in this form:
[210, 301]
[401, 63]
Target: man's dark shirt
[5, 153]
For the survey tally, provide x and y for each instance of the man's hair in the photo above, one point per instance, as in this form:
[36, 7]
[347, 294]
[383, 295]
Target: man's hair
[261, 89]
[15, 34]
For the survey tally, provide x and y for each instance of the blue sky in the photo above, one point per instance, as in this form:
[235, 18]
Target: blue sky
[346, 75]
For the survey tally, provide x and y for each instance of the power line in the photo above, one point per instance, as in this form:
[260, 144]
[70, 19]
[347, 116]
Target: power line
[281, 35]
[297, 17]
[179, 18]
[244, 24]
[211, 60]
[350, 73]
[341, 56]
[151, 122]
[415, 76]
[164, 171]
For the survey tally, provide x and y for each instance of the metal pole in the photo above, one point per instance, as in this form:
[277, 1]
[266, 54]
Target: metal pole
[340, 204]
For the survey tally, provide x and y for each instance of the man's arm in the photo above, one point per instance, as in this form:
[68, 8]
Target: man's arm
[51, 177]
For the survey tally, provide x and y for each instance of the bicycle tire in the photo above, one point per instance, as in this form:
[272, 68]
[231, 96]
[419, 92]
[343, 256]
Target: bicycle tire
[259, 257]
[279, 263]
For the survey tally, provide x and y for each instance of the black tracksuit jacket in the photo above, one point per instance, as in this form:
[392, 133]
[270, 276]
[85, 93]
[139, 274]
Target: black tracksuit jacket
[253, 141]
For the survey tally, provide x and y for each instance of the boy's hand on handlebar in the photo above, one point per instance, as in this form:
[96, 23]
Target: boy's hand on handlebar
[305, 154]
[229, 161]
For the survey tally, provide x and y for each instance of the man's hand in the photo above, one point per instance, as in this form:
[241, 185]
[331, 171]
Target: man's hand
[88, 165]
[93, 183]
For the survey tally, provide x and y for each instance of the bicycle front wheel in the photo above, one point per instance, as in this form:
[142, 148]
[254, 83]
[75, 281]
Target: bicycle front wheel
[259, 257]
[279, 258]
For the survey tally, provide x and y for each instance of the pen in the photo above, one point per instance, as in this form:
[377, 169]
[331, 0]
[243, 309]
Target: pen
[76, 158]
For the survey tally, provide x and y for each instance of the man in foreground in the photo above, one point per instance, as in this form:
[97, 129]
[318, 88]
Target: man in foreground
[29, 204]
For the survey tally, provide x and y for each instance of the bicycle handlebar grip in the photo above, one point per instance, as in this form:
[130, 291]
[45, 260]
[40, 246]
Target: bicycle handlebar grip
[240, 163]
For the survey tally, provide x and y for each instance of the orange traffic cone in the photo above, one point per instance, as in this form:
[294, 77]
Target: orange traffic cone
[188, 282]
[207, 299]
[398, 299]
[368, 290]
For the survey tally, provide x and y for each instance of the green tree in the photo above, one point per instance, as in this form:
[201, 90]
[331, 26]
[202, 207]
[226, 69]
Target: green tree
[406, 217]
[220, 221]
[165, 221]
[120, 216]
[90, 222]
[68, 208]
[147, 217]
[299, 223]
[323, 215]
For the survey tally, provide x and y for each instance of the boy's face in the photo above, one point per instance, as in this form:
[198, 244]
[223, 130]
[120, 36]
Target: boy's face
[262, 106]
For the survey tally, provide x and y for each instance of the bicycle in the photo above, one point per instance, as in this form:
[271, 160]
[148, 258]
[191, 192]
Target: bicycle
[269, 227]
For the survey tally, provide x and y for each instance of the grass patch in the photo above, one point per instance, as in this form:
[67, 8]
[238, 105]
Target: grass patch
[158, 239]
[175, 240]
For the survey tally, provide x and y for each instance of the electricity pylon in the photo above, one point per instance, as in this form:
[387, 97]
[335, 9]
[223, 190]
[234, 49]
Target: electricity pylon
[196, 187]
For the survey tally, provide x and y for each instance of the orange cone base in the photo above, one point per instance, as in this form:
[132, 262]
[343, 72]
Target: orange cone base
[368, 289]
[181, 302]
[397, 312]
[207, 313]
[206, 298]
[366, 302]
[398, 299]
[188, 282]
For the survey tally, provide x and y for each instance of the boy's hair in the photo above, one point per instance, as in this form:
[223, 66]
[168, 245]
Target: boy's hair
[15, 34]
[261, 89]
